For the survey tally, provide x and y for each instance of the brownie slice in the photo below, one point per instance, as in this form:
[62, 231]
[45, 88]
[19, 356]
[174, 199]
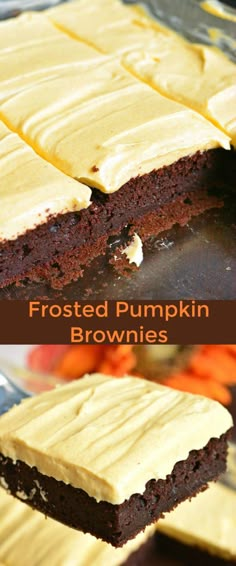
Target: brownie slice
[58, 251]
[115, 524]
[109, 456]
[142, 153]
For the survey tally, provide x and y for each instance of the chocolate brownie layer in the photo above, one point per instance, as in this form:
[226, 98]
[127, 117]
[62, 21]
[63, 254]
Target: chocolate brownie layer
[145, 555]
[116, 524]
[70, 265]
[29, 540]
[58, 250]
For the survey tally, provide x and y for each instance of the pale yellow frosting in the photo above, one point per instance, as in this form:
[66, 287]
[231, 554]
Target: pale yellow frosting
[199, 76]
[207, 521]
[134, 251]
[110, 436]
[28, 539]
[218, 9]
[32, 190]
[92, 119]
[33, 50]
[109, 25]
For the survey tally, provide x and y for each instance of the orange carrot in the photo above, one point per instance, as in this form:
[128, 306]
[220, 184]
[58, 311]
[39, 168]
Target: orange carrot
[231, 348]
[118, 360]
[192, 384]
[209, 370]
[111, 359]
[79, 360]
[214, 363]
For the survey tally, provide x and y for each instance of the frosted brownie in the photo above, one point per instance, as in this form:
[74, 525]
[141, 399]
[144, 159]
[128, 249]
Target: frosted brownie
[144, 161]
[196, 75]
[72, 122]
[111, 456]
[207, 522]
[27, 539]
[43, 193]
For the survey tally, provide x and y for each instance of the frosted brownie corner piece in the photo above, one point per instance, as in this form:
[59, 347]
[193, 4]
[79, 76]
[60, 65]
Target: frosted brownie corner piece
[109, 456]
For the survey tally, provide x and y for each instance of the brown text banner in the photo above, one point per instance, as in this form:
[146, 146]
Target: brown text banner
[114, 322]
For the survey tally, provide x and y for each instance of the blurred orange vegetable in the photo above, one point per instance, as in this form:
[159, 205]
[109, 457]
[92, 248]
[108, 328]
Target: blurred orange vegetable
[210, 370]
[72, 362]
[206, 387]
